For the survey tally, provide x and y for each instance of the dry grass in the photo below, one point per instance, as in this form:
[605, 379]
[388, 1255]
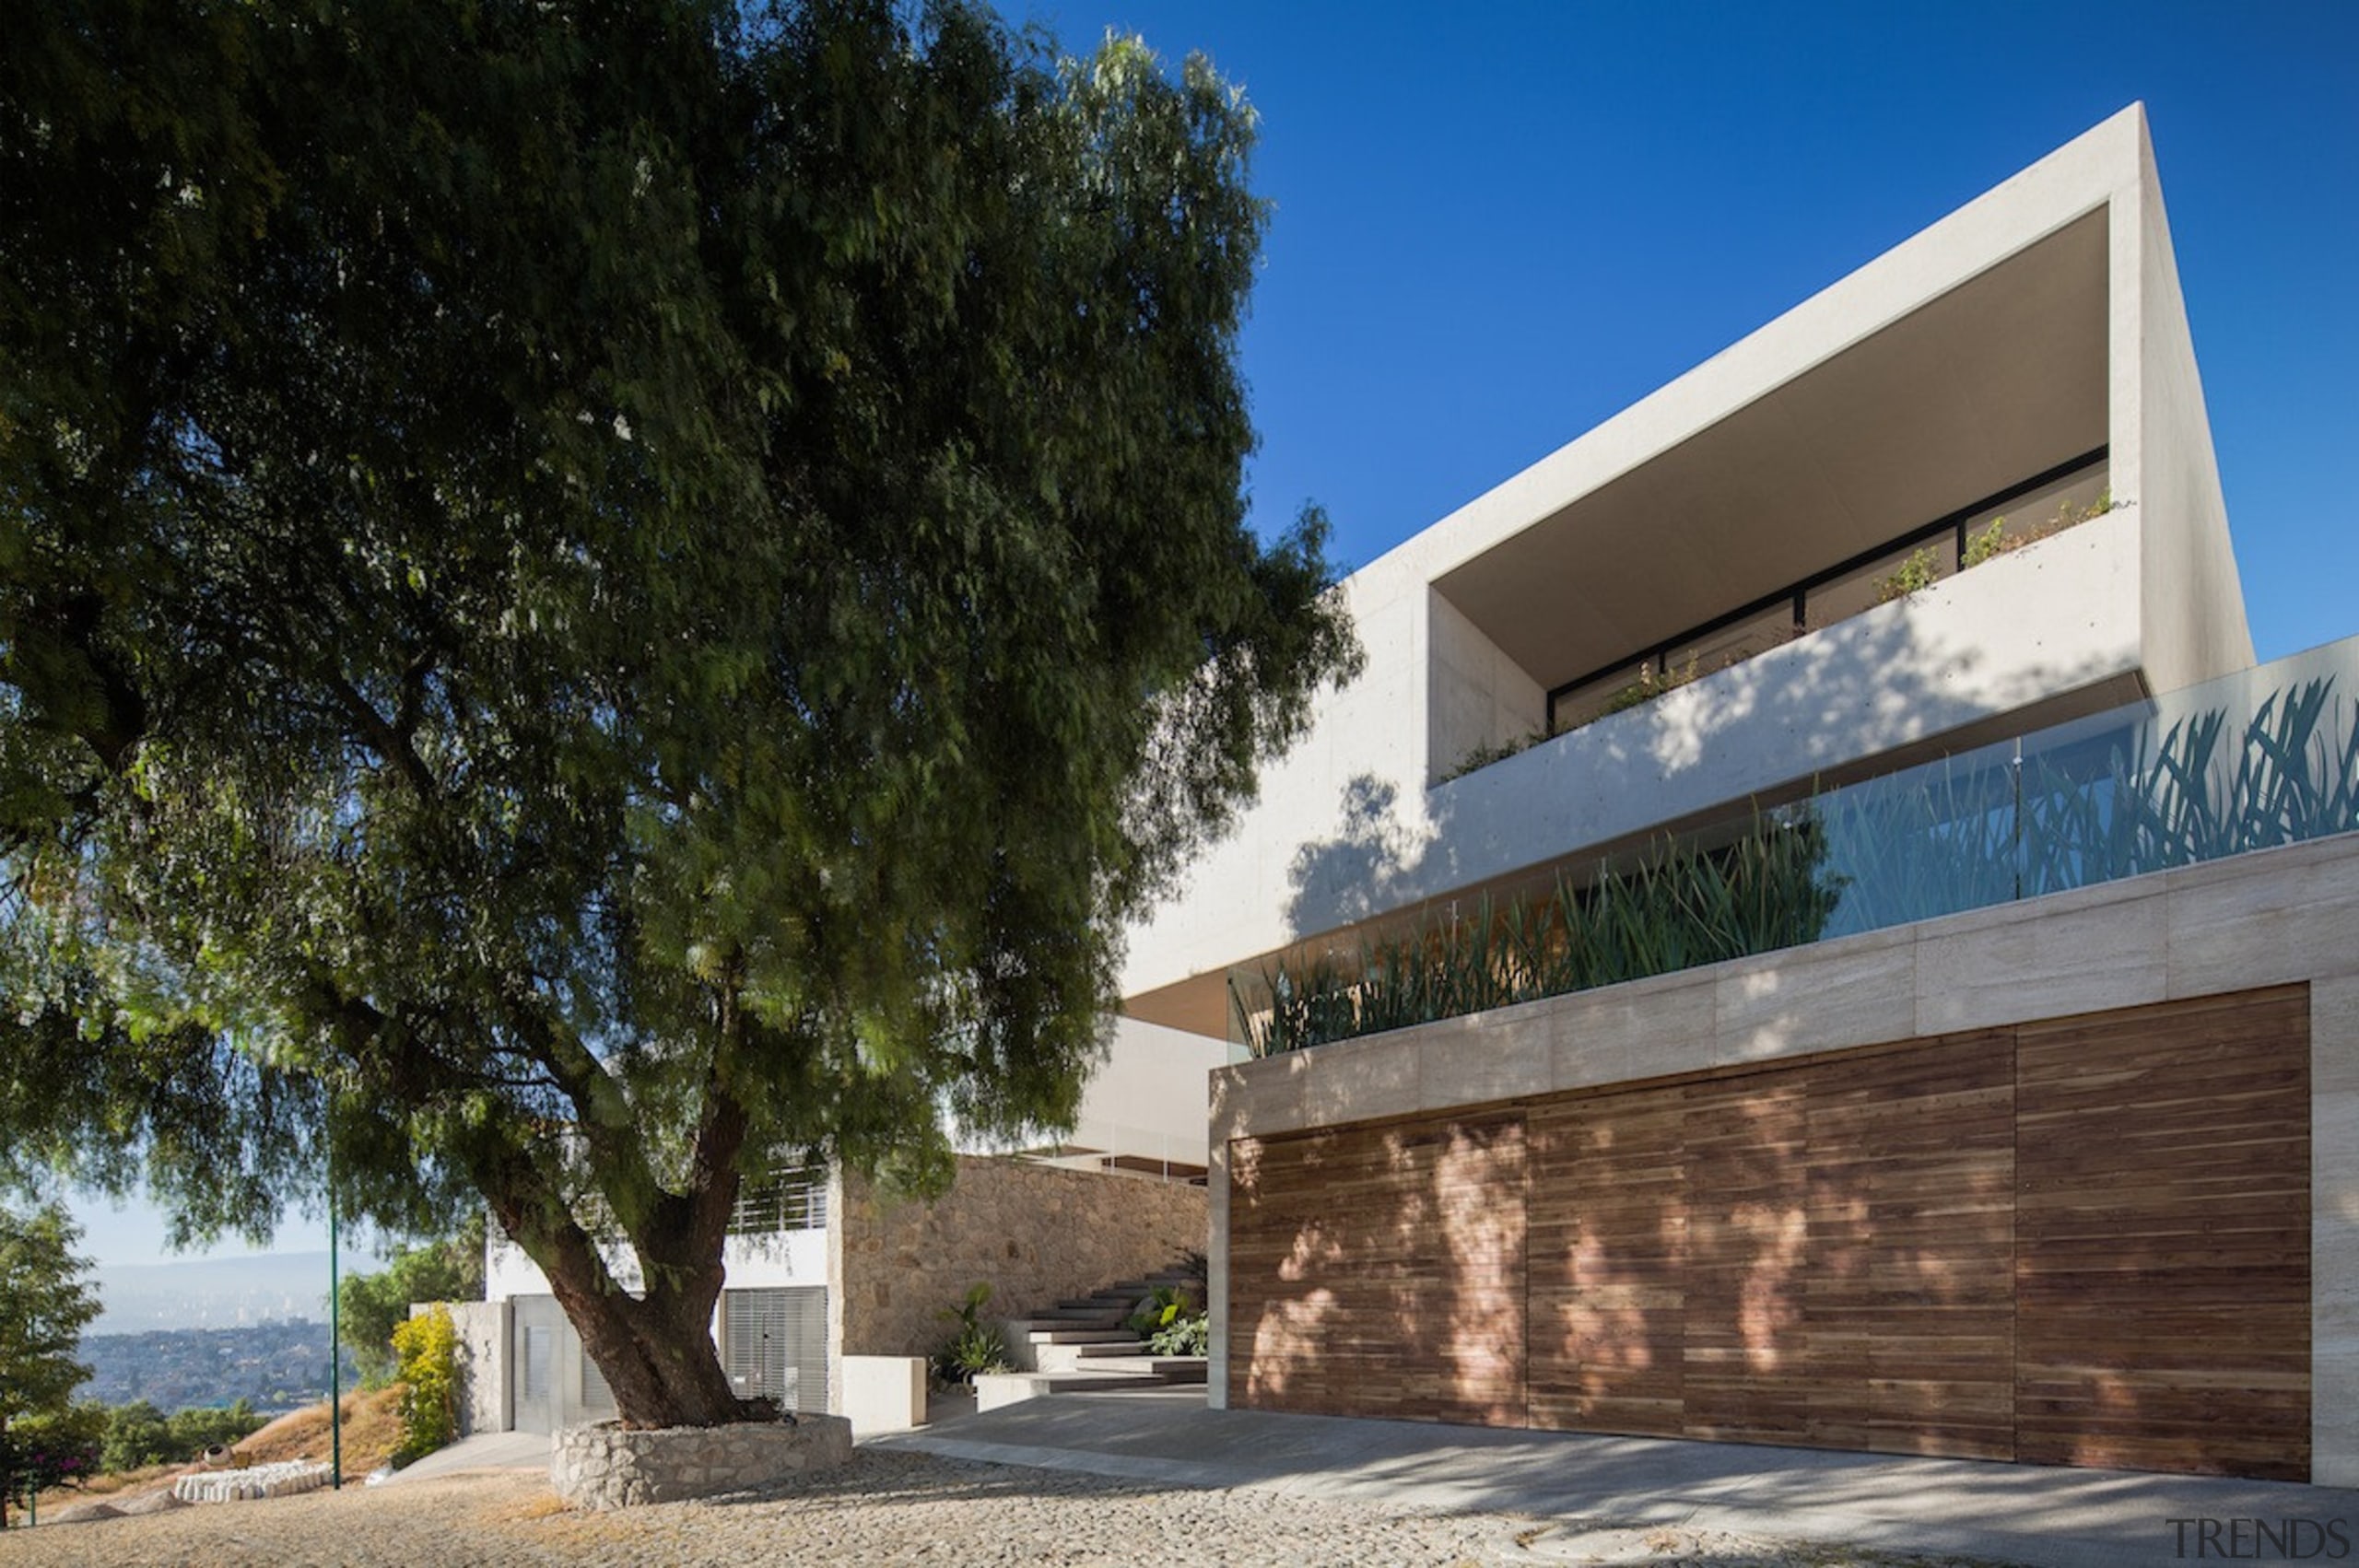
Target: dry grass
[371, 1426]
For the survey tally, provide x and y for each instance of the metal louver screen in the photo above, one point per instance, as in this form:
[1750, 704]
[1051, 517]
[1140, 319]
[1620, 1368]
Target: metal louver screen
[597, 1400]
[776, 1346]
[540, 1354]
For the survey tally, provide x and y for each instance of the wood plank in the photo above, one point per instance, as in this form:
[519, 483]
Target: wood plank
[2162, 1266]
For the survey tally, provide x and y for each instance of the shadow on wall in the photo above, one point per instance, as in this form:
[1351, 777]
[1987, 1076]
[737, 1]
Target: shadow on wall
[1383, 1271]
[1762, 1259]
[1766, 726]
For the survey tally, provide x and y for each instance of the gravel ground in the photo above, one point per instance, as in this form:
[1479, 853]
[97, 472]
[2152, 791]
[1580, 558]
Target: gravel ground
[885, 1508]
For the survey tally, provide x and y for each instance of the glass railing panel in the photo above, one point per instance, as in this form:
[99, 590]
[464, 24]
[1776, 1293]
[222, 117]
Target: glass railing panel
[2249, 762]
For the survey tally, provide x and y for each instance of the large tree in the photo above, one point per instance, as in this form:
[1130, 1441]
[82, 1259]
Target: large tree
[595, 596]
[44, 1305]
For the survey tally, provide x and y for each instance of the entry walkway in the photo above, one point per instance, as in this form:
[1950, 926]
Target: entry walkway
[484, 1451]
[2055, 1518]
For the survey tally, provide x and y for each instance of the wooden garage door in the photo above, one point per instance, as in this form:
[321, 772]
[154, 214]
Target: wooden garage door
[1817, 1254]
[2077, 1242]
[1380, 1271]
[2162, 1238]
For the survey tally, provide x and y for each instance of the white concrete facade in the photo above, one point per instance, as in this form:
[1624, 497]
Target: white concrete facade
[2038, 326]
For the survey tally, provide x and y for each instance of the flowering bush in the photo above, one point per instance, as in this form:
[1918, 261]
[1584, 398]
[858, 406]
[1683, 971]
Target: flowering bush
[426, 1352]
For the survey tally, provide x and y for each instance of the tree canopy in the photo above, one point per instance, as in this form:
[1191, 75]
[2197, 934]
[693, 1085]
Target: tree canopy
[43, 1306]
[591, 597]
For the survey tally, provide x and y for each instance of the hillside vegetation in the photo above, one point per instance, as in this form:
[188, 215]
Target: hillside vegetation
[371, 1427]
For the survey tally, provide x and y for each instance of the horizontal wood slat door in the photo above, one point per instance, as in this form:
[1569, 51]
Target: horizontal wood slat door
[1609, 1262]
[2163, 1237]
[1818, 1253]
[1908, 1304]
[1380, 1271]
[2084, 1241]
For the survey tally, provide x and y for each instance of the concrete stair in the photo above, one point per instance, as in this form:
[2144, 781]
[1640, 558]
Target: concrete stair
[1080, 1346]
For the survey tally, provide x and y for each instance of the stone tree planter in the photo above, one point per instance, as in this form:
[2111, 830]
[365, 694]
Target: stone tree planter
[607, 1467]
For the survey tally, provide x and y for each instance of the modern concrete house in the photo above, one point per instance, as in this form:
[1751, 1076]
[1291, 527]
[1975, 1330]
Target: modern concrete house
[2060, 1176]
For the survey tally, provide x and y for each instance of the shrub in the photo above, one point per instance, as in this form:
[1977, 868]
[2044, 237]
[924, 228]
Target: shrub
[138, 1434]
[426, 1352]
[50, 1449]
[1991, 541]
[976, 1346]
[1188, 1335]
[1921, 569]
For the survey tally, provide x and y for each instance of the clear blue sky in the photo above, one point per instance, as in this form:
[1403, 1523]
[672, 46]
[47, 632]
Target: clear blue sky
[1498, 225]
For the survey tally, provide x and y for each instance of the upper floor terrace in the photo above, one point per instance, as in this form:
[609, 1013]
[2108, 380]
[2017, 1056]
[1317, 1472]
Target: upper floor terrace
[1775, 574]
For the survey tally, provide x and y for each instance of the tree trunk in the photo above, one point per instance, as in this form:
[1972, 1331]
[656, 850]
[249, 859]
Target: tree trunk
[656, 1349]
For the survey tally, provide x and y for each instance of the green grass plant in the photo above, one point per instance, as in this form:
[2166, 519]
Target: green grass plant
[1955, 835]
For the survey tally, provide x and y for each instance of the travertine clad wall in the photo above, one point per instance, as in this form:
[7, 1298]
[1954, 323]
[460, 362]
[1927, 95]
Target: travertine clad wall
[2282, 917]
[1036, 1232]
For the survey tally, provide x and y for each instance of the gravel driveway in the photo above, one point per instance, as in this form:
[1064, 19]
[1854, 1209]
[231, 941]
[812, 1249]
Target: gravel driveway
[885, 1508]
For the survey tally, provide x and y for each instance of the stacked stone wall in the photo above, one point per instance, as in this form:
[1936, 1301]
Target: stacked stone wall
[607, 1467]
[1034, 1233]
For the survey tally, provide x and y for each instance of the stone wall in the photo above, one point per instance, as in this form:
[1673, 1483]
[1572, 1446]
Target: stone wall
[483, 1363]
[1034, 1233]
[606, 1467]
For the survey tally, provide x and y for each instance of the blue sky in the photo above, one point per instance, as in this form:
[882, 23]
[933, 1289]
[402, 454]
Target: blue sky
[1498, 225]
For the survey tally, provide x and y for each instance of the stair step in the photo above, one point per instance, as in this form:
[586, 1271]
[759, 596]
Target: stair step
[1086, 1309]
[1126, 1346]
[993, 1389]
[1040, 1333]
[1169, 1369]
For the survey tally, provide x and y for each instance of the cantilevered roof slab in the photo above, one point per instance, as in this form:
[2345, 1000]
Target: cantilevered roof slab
[2001, 377]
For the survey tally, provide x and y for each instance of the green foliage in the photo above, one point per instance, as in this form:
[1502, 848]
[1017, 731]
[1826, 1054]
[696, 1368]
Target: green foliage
[1992, 540]
[57, 1447]
[1920, 570]
[1483, 756]
[1173, 1322]
[138, 1434]
[1681, 906]
[1161, 1308]
[1999, 539]
[595, 599]
[976, 1346]
[1961, 834]
[1963, 837]
[426, 1351]
[1189, 1334]
[44, 1304]
[371, 1306]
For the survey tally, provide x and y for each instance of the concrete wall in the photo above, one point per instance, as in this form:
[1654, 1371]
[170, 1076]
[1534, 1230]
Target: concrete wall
[1145, 1101]
[2193, 602]
[2275, 918]
[1033, 1232]
[1329, 847]
[1346, 829]
[484, 1339]
[1476, 696]
[791, 1258]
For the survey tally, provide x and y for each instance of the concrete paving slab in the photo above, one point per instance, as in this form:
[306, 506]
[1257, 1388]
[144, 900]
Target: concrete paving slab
[2020, 1513]
[484, 1451]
